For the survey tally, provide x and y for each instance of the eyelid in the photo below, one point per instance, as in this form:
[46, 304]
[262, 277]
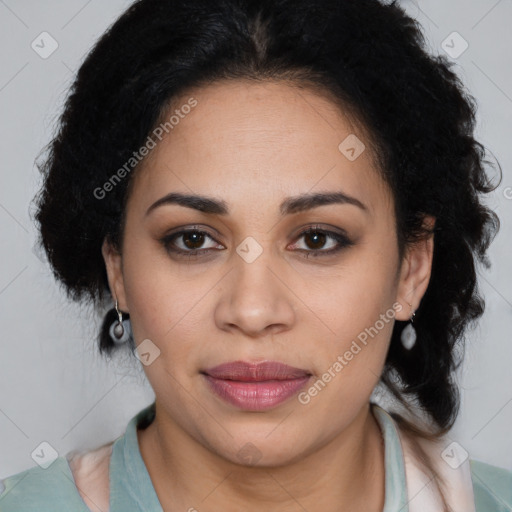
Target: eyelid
[194, 227]
[325, 228]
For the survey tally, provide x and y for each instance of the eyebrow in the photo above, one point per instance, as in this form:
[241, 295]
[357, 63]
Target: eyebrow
[289, 206]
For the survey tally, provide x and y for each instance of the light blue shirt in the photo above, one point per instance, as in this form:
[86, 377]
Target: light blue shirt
[131, 490]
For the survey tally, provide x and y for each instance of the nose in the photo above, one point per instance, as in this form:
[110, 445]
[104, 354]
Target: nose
[255, 299]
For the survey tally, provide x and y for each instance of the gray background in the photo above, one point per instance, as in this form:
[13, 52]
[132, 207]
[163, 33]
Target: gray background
[54, 386]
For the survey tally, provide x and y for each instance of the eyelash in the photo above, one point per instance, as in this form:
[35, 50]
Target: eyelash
[342, 240]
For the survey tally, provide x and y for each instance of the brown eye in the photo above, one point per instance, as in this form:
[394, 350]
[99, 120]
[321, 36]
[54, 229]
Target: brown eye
[320, 242]
[190, 242]
[193, 239]
[315, 239]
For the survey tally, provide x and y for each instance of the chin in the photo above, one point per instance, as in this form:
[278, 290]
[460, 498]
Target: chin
[262, 452]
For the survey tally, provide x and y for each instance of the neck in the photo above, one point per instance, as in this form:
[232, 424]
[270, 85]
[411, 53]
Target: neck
[347, 473]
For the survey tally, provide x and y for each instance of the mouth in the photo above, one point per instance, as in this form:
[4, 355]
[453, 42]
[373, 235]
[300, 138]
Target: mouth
[255, 386]
[255, 372]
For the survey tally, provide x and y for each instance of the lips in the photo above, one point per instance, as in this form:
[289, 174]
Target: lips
[253, 372]
[255, 387]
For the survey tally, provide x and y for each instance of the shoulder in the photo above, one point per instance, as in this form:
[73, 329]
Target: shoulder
[42, 490]
[492, 487]
[468, 484]
[78, 481]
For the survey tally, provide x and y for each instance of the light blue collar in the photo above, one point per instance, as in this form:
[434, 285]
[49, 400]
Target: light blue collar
[130, 484]
[131, 487]
[396, 499]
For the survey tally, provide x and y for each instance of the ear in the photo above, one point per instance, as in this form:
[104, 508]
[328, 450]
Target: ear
[113, 264]
[415, 272]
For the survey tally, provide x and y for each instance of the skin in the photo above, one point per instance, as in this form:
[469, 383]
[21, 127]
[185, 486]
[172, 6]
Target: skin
[252, 145]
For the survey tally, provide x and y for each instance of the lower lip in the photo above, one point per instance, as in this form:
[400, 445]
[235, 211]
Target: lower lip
[256, 396]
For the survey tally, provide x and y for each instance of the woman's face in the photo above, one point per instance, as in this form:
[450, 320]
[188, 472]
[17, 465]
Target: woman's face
[247, 285]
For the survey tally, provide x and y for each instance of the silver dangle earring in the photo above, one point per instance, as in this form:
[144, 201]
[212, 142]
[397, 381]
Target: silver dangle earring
[408, 336]
[120, 329]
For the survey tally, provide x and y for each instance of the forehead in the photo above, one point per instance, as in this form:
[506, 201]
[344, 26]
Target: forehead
[259, 142]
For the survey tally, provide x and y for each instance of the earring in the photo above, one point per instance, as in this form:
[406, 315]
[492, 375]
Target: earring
[120, 330]
[408, 336]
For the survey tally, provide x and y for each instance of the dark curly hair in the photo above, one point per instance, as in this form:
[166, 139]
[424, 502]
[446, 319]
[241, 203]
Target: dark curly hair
[370, 58]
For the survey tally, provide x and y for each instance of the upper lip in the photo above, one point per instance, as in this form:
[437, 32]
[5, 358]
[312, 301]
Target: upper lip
[245, 371]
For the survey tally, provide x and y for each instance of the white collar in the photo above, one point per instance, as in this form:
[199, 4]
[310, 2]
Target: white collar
[420, 489]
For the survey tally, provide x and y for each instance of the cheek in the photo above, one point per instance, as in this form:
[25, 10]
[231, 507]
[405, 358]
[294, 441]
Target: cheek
[357, 309]
[165, 303]
[349, 363]
[150, 289]
[354, 295]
